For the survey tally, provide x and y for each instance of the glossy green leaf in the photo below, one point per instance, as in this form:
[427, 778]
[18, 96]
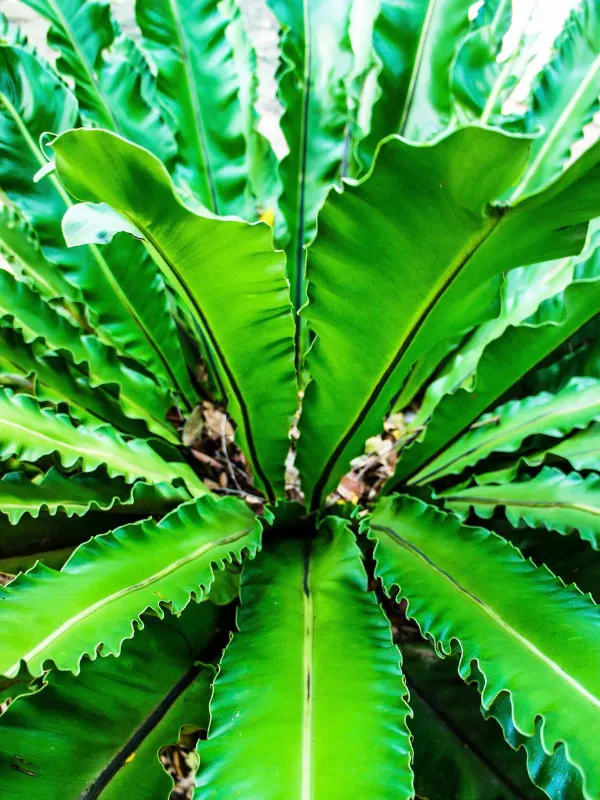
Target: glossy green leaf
[551, 500]
[49, 519]
[565, 97]
[99, 365]
[50, 379]
[531, 636]
[54, 492]
[30, 432]
[581, 450]
[110, 581]
[415, 43]
[107, 75]
[75, 736]
[121, 285]
[198, 85]
[519, 348]
[329, 704]
[552, 773]
[458, 755]
[225, 271]
[373, 230]
[504, 429]
[316, 61]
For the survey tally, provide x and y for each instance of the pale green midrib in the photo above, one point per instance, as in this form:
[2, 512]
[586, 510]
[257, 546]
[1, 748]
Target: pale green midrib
[105, 269]
[417, 66]
[90, 76]
[195, 106]
[556, 668]
[308, 688]
[419, 478]
[87, 612]
[557, 129]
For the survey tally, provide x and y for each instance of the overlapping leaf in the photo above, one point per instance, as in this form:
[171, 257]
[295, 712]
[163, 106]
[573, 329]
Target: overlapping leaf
[139, 396]
[530, 636]
[198, 85]
[19, 244]
[556, 320]
[372, 237]
[121, 285]
[316, 63]
[504, 429]
[75, 495]
[124, 708]
[108, 582]
[458, 755]
[565, 97]
[551, 500]
[415, 43]
[47, 376]
[333, 722]
[29, 432]
[225, 271]
[111, 79]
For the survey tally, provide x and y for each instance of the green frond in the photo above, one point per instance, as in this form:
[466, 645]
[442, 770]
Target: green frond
[93, 363]
[504, 429]
[565, 96]
[330, 704]
[75, 495]
[109, 72]
[244, 318]
[100, 594]
[198, 86]
[29, 431]
[453, 285]
[315, 62]
[551, 499]
[458, 754]
[519, 629]
[123, 289]
[521, 347]
[108, 723]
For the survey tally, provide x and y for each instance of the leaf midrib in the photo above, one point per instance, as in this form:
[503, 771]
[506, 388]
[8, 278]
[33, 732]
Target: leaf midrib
[301, 190]
[124, 592]
[496, 618]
